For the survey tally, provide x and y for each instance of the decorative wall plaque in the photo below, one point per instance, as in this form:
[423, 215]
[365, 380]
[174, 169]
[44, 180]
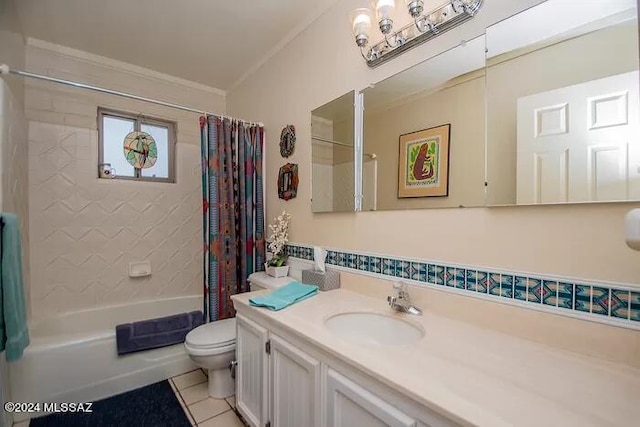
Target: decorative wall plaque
[288, 181]
[287, 141]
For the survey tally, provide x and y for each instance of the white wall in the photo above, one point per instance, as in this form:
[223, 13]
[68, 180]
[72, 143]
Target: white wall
[322, 63]
[87, 230]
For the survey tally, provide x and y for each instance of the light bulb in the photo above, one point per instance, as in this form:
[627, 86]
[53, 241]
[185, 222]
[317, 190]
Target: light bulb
[361, 22]
[383, 11]
[384, 8]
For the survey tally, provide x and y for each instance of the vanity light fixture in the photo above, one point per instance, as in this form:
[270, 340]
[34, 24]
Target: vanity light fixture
[425, 26]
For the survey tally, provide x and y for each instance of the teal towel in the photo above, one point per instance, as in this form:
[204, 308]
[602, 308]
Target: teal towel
[284, 296]
[13, 319]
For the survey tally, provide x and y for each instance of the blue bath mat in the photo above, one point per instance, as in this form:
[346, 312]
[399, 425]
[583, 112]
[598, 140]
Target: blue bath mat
[155, 405]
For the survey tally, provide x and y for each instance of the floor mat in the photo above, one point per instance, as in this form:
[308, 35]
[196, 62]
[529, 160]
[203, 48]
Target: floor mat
[153, 405]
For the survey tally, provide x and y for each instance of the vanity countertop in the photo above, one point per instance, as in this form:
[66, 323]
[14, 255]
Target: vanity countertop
[471, 375]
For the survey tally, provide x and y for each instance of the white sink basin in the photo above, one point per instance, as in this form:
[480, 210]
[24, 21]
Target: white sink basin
[373, 328]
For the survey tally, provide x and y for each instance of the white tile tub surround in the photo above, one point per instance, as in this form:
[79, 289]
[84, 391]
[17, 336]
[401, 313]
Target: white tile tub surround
[87, 230]
[72, 357]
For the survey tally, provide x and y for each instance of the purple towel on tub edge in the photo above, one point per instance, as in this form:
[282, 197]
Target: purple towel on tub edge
[155, 333]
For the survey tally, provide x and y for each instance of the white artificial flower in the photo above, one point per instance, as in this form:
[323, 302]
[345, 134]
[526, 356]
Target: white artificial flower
[279, 234]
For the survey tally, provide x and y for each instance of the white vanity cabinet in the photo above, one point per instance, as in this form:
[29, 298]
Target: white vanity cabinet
[284, 381]
[276, 383]
[252, 372]
[349, 404]
[295, 386]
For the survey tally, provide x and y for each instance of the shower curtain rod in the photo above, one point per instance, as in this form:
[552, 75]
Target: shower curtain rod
[330, 141]
[342, 144]
[5, 69]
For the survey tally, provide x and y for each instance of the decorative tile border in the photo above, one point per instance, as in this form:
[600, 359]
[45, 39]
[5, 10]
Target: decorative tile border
[600, 302]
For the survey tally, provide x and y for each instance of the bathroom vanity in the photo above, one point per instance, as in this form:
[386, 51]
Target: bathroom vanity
[297, 369]
[286, 380]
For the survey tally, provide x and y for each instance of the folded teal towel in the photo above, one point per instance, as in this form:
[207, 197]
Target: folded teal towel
[14, 334]
[284, 296]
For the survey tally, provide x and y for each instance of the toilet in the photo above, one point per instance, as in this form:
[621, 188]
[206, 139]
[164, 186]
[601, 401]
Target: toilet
[213, 346]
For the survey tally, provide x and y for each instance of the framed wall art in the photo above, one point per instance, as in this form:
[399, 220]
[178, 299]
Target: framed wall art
[423, 163]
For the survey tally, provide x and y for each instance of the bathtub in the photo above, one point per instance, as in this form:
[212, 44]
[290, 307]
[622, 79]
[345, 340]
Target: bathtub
[73, 357]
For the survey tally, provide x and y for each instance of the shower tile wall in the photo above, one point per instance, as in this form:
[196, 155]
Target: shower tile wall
[87, 230]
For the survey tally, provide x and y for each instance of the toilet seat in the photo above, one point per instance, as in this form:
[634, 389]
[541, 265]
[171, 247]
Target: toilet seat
[212, 338]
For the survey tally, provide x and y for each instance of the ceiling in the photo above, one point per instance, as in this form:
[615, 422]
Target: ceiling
[214, 42]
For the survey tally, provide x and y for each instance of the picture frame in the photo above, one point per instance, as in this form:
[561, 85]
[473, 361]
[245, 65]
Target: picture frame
[423, 163]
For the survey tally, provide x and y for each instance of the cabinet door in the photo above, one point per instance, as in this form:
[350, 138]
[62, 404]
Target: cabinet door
[348, 404]
[295, 386]
[251, 372]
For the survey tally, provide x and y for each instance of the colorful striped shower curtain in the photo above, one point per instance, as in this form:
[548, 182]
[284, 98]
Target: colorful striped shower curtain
[233, 210]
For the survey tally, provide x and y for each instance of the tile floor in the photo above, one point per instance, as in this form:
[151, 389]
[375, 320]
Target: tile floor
[201, 410]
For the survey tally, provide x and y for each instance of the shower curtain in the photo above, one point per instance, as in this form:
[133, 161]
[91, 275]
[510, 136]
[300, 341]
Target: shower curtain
[233, 210]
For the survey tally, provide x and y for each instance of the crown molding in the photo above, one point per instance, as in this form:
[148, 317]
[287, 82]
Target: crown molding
[121, 66]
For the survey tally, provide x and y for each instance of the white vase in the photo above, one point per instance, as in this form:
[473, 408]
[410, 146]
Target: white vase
[277, 271]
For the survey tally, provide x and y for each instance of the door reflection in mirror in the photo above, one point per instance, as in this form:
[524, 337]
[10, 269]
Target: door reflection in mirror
[562, 104]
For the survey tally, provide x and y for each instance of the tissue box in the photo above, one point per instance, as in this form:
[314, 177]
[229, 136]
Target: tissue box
[324, 281]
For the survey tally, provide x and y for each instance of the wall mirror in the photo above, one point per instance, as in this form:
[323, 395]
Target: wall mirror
[424, 133]
[332, 155]
[562, 104]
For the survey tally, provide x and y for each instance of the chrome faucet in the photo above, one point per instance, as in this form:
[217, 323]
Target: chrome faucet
[401, 301]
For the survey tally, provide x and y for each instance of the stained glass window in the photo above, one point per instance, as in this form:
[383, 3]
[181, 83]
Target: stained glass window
[137, 147]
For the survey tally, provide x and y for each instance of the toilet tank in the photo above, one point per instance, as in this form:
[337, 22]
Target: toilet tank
[260, 280]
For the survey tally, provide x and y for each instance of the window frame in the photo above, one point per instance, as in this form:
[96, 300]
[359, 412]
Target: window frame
[139, 120]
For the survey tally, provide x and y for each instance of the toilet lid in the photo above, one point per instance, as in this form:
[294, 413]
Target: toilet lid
[261, 279]
[220, 333]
